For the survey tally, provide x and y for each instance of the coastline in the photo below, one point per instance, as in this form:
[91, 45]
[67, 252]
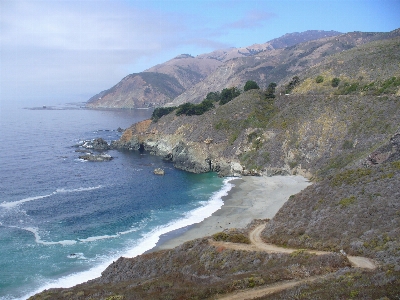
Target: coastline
[250, 198]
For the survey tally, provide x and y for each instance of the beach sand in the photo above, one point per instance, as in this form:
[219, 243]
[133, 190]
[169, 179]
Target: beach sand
[251, 198]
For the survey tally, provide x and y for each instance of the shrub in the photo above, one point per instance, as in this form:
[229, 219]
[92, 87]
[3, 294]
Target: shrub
[347, 144]
[335, 82]
[347, 201]
[350, 176]
[319, 79]
[231, 237]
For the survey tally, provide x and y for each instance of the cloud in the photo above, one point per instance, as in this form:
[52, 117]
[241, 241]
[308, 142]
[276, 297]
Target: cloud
[65, 49]
[50, 46]
[252, 19]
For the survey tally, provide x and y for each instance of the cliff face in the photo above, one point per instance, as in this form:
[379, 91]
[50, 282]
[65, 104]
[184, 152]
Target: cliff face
[296, 134]
[178, 140]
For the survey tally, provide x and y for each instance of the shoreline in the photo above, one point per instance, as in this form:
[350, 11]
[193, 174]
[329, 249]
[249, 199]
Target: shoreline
[250, 198]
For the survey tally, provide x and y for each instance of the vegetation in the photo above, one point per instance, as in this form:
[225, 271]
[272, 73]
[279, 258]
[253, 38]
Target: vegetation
[346, 284]
[196, 270]
[335, 82]
[345, 212]
[319, 79]
[231, 236]
[213, 96]
[228, 94]
[161, 111]
[190, 109]
[251, 85]
[292, 84]
[270, 92]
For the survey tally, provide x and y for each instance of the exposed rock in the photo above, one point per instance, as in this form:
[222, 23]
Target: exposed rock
[96, 144]
[387, 152]
[94, 157]
[159, 171]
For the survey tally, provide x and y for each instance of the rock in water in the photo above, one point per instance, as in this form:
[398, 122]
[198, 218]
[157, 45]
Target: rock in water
[159, 171]
[93, 157]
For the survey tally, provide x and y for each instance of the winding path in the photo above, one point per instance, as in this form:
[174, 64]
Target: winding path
[257, 244]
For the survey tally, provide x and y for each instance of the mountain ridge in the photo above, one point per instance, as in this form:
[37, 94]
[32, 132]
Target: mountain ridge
[188, 71]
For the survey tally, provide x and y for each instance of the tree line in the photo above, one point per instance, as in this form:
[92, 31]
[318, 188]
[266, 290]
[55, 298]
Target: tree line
[207, 104]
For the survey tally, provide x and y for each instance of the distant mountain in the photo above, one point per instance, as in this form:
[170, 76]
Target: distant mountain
[278, 65]
[287, 40]
[146, 89]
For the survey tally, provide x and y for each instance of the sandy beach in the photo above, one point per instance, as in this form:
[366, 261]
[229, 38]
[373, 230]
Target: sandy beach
[251, 198]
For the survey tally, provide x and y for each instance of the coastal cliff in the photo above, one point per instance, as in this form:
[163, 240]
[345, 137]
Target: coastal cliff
[336, 123]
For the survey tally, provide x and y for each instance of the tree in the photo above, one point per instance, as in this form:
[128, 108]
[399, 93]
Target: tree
[270, 93]
[161, 111]
[191, 109]
[251, 85]
[228, 94]
[292, 84]
[213, 96]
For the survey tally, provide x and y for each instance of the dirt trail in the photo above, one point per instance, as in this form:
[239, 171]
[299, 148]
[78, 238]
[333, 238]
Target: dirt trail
[257, 244]
[272, 288]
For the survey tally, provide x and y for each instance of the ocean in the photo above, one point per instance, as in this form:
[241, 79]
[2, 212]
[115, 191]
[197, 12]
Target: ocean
[64, 220]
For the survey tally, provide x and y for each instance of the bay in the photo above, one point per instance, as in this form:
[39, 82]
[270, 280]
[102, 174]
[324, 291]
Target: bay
[63, 220]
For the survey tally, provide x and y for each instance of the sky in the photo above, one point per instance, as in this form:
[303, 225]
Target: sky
[55, 51]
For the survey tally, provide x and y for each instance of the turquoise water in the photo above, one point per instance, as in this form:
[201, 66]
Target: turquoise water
[63, 220]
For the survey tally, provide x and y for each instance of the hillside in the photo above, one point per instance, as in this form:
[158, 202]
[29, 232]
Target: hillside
[345, 137]
[278, 65]
[162, 83]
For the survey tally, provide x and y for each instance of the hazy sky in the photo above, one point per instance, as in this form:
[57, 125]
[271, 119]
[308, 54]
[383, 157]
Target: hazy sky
[66, 51]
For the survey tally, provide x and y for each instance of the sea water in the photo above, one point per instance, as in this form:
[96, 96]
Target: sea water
[64, 220]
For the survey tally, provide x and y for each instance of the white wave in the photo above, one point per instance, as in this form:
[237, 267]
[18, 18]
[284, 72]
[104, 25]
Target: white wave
[147, 242]
[19, 202]
[38, 239]
[81, 189]
[197, 215]
[130, 230]
[16, 203]
[96, 238]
